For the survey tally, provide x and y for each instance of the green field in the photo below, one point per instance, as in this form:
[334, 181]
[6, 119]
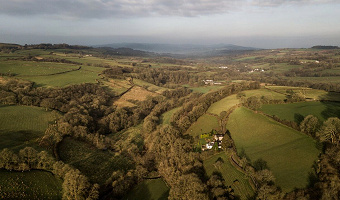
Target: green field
[96, 164]
[165, 118]
[31, 68]
[294, 111]
[288, 153]
[223, 105]
[204, 124]
[230, 174]
[206, 89]
[330, 79]
[226, 103]
[307, 93]
[43, 73]
[32, 184]
[85, 75]
[21, 126]
[149, 86]
[153, 189]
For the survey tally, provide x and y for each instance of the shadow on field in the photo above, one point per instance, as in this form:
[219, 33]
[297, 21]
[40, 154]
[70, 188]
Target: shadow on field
[332, 103]
[298, 118]
[17, 139]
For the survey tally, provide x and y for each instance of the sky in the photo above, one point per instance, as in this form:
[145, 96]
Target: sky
[252, 23]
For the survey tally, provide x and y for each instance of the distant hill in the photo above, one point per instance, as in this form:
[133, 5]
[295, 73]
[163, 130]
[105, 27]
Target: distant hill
[124, 51]
[191, 49]
[325, 47]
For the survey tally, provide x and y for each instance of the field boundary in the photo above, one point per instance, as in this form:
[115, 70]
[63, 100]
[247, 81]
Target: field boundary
[64, 72]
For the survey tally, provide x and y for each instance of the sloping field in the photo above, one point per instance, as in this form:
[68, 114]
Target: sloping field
[21, 126]
[149, 86]
[204, 124]
[294, 111]
[119, 86]
[288, 153]
[230, 101]
[206, 89]
[135, 94]
[234, 178]
[165, 118]
[31, 68]
[324, 79]
[32, 184]
[96, 164]
[307, 92]
[224, 104]
[153, 189]
[86, 74]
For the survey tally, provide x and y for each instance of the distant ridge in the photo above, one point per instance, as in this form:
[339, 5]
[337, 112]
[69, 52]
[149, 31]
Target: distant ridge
[191, 49]
[324, 47]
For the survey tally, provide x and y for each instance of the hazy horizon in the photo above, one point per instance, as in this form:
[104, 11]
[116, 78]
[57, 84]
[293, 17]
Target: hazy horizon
[251, 23]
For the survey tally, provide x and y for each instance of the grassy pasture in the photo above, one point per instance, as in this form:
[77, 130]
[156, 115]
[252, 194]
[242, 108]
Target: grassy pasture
[223, 105]
[230, 174]
[230, 101]
[32, 184]
[246, 58]
[31, 68]
[204, 124]
[85, 75]
[21, 126]
[118, 86]
[330, 79]
[41, 72]
[206, 89]
[279, 68]
[165, 118]
[153, 189]
[96, 164]
[288, 153]
[307, 92]
[149, 86]
[294, 111]
[135, 94]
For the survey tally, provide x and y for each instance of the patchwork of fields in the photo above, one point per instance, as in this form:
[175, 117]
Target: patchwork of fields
[288, 153]
[297, 111]
[230, 101]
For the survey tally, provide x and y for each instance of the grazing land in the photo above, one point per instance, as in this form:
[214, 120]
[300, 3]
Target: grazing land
[29, 185]
[307, 93]
[152, 189]
[204, 124]
[116, 129]
[22, 126]
[205, 89]
[288, 153]
[233, 177]
[135, 94]
[167, 116]
[96, 164]
[149, 86]
[230, 101]
[297, 111]
[118, 86]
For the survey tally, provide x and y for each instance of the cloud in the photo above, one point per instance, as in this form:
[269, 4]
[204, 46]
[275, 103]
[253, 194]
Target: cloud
[133, 8]
[275, 3]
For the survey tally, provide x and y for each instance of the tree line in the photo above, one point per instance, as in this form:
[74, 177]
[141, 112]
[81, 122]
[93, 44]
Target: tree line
[75, 185]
